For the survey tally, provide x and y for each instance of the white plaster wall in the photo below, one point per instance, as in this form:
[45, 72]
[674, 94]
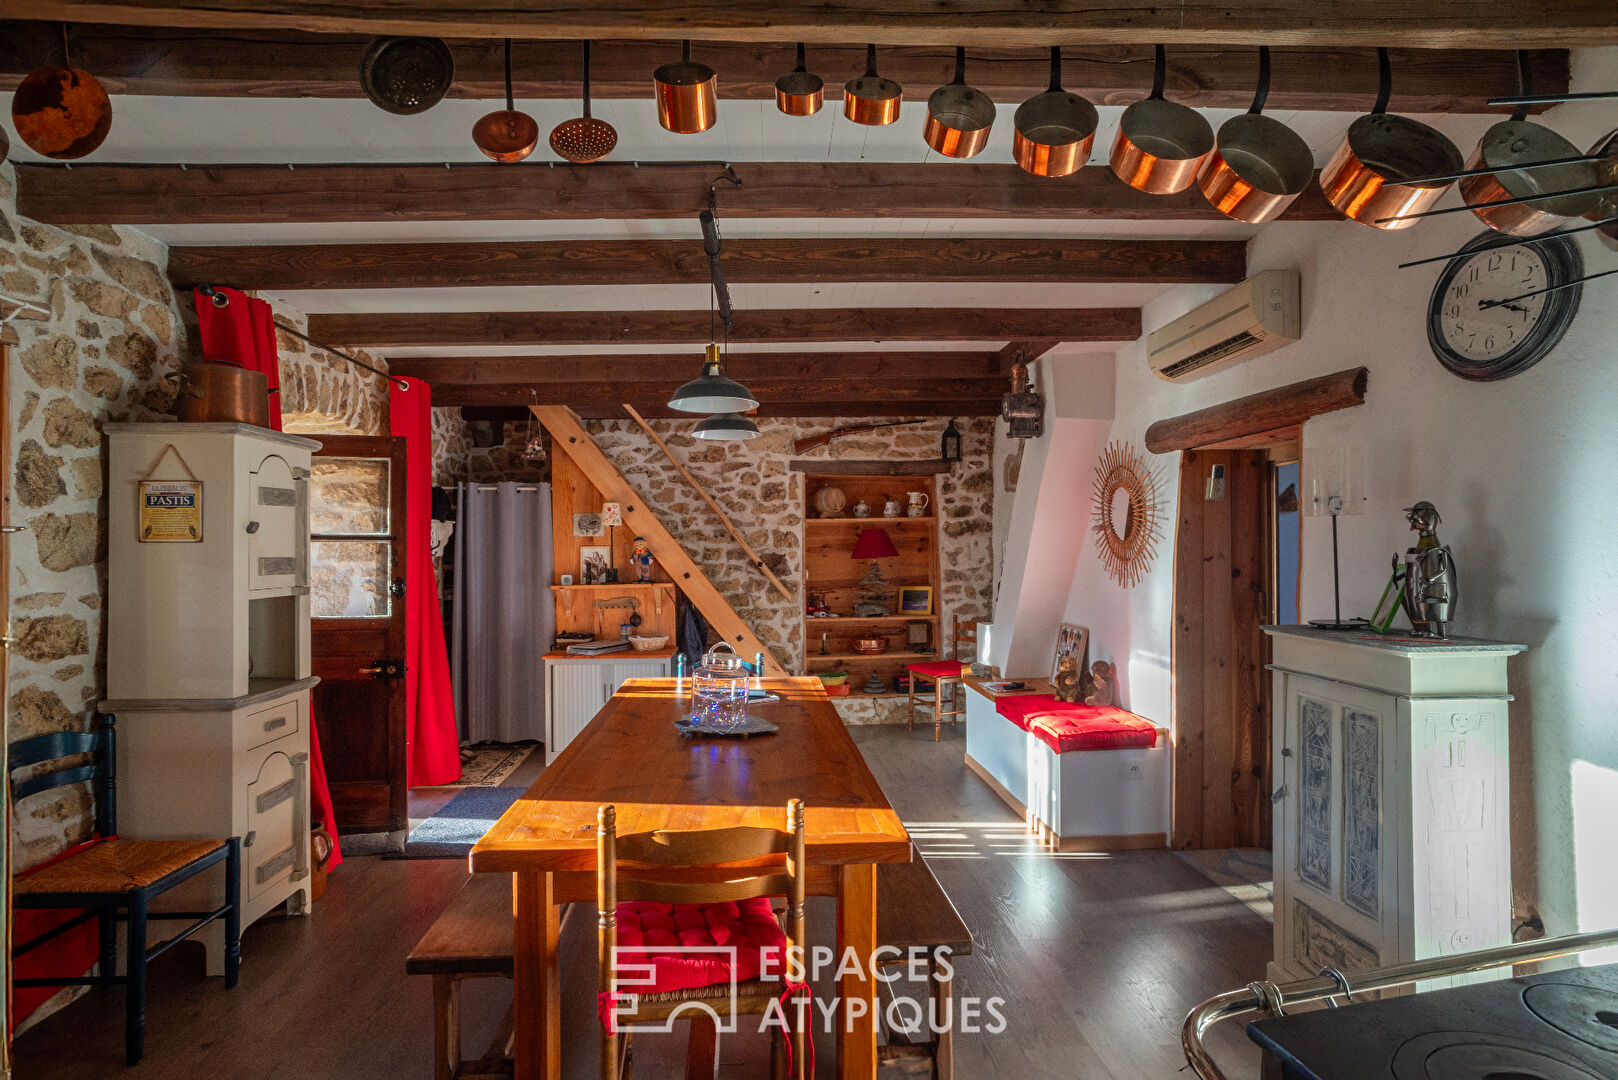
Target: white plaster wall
[1522, 471]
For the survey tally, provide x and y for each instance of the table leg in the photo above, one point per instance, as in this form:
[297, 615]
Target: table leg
[856, 934]
[536, 971]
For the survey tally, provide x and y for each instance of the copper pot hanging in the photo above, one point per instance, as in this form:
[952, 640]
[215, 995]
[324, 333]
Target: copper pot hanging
[958, 116]
[506, 135]
[687, 94]
[1520, 142]
[218, 392]
[1259, 165]
[1606, 148]
[1160, 144]
[61, 112]
[800, 92]
[1361, 178]
[1055, 130]
[871, 99]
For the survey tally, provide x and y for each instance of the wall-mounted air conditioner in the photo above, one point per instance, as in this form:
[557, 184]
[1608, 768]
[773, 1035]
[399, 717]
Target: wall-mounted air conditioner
[1254, 317]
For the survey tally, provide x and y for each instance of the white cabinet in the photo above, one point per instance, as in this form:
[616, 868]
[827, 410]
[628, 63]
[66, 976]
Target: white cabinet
[576, 688]
[1392, 824]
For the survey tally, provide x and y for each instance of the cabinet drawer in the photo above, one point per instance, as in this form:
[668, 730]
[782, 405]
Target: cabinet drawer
[273, 722]
[275, 848]
[275, 515]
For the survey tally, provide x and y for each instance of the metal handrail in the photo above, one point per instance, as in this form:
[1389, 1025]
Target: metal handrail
[1272, 999]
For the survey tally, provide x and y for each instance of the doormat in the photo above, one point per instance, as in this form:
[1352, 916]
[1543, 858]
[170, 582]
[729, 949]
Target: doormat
[488, 764]
[460, 823]
[1244, 873]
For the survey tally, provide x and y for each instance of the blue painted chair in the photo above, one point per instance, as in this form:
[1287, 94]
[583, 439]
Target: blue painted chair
[113, 879]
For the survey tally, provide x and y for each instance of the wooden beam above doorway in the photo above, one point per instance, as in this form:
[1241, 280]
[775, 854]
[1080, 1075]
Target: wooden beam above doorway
[609, 391]
[190, 62]
[1449, 24]
[1268, 411]
[266, 194]
[747, 260]
[746, 367]
[389, 330]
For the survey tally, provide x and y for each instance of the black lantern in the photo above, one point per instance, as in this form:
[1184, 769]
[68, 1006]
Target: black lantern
[950, 445]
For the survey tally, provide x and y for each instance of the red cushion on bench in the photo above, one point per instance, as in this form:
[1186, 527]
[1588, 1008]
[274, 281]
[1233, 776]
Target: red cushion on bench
[939, 669]
[651, 936]
[1065, 727]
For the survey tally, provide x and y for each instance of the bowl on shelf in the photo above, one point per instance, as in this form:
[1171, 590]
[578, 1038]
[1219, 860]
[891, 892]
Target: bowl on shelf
[870, 646]
[833, 678]
[648, 642]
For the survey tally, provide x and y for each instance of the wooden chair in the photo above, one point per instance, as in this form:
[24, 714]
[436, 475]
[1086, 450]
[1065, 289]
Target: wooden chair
[945, 677]
[773, 865]
[112, 878]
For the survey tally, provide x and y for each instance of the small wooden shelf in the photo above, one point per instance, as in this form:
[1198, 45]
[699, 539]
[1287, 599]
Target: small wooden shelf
[618, 587]
[880, 656]
[840, 620]
[869, 520]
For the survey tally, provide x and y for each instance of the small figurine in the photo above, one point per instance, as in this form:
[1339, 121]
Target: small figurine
[641, 558]
[1431, 587]
[1101, 689]
[1067, 680]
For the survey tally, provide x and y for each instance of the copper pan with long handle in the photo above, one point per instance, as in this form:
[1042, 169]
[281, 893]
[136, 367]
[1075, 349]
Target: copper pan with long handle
[1055, 130]
[1259, 165]
[870, 99]
[1365, 179]
[958, 116]
[1160, 144]
[1606, 148]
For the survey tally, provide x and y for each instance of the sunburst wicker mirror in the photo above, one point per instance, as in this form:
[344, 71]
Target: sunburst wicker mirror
[1126, 520]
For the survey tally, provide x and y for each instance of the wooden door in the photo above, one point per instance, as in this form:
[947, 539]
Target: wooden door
[1222, 569]
[357, 575]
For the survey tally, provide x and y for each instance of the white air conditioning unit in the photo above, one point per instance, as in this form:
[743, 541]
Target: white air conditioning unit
[1256, 316]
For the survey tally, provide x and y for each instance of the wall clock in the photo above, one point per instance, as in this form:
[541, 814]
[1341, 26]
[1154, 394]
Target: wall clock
[1484, 344]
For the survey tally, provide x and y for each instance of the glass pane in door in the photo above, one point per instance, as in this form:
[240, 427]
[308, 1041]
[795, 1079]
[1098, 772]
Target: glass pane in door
[349, 496]
[350, 579]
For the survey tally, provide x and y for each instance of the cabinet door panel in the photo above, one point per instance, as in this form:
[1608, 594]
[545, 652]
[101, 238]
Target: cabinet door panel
[274, 546]
[275, 801]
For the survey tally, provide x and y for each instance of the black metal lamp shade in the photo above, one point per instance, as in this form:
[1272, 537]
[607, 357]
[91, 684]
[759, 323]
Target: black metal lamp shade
[727, 427]
[712, 392]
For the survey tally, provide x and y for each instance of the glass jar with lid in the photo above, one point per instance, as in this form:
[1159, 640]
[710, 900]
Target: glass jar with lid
[719, 689]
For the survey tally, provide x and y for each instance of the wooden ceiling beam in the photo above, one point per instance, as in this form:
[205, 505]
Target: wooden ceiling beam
[747, 367]
[289, 64]
[426, 328]
[242, 194]
[1023, 352]
[505, 414]
[661, 262]
[1449, 24]
[609, 391]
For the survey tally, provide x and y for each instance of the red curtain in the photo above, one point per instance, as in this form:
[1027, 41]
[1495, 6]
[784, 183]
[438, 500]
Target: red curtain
[434, 747]
[243, 332]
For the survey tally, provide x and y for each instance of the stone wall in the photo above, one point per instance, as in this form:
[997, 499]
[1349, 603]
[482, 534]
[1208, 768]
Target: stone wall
[456, 457]
[322, 394]
[764, 499]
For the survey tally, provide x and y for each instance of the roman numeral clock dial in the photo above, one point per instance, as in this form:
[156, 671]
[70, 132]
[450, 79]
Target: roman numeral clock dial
[1489, 316]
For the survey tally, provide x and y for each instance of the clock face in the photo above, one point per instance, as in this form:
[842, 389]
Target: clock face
[1490, 318]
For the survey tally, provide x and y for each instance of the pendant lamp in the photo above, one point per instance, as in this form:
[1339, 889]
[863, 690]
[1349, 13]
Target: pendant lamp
[712, 392]
[726, 427]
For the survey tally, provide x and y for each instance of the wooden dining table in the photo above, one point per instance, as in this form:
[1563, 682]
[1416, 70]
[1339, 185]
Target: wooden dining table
[632, 756]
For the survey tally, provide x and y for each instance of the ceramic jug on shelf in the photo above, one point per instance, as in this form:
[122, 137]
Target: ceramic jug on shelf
[918, 503]
[893, 508]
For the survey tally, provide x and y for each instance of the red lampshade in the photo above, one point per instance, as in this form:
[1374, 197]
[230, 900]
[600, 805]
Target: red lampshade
[874, 544]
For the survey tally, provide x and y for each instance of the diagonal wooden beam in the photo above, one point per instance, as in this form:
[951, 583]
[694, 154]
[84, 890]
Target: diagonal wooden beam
[747, 367]
[656, 262]
[407, 329]
[1448, 24]
[289, 64]
[237, 194]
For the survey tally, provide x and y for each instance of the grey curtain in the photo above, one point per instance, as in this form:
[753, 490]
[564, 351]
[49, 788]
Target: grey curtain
[504, 617]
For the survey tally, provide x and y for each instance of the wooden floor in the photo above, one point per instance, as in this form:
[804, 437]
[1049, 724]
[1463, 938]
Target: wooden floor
[1098, 957]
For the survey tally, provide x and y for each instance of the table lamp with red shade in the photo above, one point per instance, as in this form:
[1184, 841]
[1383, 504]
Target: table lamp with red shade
[873, 544]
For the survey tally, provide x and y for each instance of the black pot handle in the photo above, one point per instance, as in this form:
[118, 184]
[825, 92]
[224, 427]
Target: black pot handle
[1525, 85]
[1160, 70]
[1262, 92]
[960, 66]
[1056, 69]
[1384, 85]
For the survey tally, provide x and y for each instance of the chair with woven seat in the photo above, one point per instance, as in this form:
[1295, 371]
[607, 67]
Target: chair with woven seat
[670, 947]
[945, 677]
[112, 879]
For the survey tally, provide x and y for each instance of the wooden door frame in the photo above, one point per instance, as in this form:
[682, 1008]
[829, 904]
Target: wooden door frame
[8, 337]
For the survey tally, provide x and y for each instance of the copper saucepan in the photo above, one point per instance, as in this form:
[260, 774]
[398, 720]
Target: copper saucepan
[1160, 144]
[958, 116]
[687, 94]
[1519, 141]
[218, 392]
[1606, 148]
[871, 99]
[800, 92]
[1055, 130]
[1259, 165]
[1364, 177]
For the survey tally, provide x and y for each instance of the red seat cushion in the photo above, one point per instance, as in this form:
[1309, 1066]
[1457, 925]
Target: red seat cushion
[652, 935]
[939, 669]
[1065, 726]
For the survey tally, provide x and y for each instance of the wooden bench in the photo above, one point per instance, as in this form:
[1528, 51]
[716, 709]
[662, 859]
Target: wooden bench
[472, 940]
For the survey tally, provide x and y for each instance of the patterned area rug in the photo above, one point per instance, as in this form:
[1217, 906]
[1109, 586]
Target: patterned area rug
[488, 764]
[450, 833]
[1245, 873]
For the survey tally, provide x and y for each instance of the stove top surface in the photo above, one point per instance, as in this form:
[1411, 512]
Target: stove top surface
[1562, 1025]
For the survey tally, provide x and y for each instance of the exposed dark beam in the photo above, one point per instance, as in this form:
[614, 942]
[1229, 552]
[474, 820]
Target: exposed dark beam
[628, 368]
[1023, 352]
[656, 262]
[276, 64]
[1440, 24]
[774, 392]
[412, 328]
[983, 407]
[232, 194]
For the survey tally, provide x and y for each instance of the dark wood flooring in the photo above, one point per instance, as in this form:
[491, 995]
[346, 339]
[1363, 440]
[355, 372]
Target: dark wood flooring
[1098, 957]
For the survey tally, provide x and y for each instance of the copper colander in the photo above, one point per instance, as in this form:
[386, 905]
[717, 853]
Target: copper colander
[584, 139]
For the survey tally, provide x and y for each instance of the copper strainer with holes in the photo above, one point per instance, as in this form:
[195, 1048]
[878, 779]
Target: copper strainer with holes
[584, 139]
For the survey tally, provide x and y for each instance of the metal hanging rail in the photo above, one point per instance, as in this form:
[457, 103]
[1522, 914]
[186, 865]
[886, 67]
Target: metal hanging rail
[219, 299]
[1272, 999]
[1513, 241]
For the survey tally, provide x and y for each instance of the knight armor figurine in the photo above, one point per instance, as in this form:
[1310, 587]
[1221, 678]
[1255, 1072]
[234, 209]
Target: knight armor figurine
[1430, 585]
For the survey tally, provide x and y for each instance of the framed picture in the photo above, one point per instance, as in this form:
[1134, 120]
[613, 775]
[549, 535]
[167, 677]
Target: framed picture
[567, 579]
[593, 563]
[1071, 641]
[588, 525]
[915, 599]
